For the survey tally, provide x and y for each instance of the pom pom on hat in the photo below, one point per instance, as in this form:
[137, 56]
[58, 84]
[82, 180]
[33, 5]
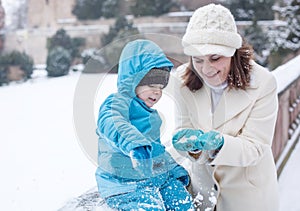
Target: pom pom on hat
[211, 30]
[156, 76]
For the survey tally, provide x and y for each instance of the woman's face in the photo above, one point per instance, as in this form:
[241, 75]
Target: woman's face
[213, 69]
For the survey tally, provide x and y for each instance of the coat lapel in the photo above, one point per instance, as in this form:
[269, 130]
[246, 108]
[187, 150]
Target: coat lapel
[231, 103]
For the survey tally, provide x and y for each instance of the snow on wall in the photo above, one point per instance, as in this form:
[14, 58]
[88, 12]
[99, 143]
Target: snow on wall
[287, 73]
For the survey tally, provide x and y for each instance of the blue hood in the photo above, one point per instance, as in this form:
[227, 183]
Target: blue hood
[137, 58]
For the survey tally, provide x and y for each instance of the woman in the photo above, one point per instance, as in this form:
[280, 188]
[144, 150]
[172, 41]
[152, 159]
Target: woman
[227, 109]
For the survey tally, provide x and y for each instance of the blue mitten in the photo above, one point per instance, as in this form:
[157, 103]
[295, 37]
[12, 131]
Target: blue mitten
[141, 160]
[186, 139]
[211, 140]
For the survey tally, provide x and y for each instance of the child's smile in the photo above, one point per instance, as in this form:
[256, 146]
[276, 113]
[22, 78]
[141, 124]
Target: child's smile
[150, 94]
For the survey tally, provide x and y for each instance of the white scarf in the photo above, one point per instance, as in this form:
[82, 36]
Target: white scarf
[216, 94]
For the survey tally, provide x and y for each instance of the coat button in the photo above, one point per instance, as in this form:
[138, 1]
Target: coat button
[215, 187]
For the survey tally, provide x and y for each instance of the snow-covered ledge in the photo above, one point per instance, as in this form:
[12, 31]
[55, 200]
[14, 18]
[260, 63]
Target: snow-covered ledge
[287, 73]
[287, 130]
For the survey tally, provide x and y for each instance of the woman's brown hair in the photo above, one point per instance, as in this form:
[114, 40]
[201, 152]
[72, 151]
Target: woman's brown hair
[238, 77]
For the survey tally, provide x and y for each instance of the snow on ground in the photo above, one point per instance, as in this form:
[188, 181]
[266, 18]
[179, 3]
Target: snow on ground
[42, 164]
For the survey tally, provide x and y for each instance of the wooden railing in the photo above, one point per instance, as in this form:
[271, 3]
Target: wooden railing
[287, 129]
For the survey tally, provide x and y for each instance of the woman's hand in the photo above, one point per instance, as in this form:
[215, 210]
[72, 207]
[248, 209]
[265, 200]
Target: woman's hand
[193, 140]
[185, 140]
[211, 140]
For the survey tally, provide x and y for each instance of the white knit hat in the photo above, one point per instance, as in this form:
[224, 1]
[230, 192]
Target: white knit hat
[211, 30]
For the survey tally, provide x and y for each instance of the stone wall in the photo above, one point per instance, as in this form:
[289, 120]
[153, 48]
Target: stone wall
[33, 40]
[47, 13]
[45, 17]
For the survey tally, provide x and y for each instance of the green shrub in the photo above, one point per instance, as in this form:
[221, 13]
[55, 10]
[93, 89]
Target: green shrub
[24, 60]
[118, 36]
[15, 58]
[87, 9]
[94, 9]
[110, 8]
[58, 62]
[152, 7]
[121, 24]
[3, 75]
[61, 38]
[77, 42]
[3, 69]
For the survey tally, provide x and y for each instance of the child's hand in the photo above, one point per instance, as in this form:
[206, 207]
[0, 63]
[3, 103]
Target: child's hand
[141, 160]
[186, 139]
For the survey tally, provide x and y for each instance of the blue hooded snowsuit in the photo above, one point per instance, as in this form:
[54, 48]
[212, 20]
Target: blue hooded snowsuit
[125, 123]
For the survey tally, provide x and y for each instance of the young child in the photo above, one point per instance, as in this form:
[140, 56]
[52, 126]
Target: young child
[135, 172]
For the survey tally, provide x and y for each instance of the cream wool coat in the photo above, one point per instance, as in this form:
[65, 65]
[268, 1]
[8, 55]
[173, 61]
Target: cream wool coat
[242, 177]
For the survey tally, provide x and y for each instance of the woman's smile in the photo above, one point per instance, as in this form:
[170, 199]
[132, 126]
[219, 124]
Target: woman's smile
[213, 69]
[212, 75]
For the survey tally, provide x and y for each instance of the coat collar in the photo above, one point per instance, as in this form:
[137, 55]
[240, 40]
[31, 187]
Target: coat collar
[232, 102]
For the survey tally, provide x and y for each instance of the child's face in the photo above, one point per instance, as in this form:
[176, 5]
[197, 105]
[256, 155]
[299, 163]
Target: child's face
[150, 94]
